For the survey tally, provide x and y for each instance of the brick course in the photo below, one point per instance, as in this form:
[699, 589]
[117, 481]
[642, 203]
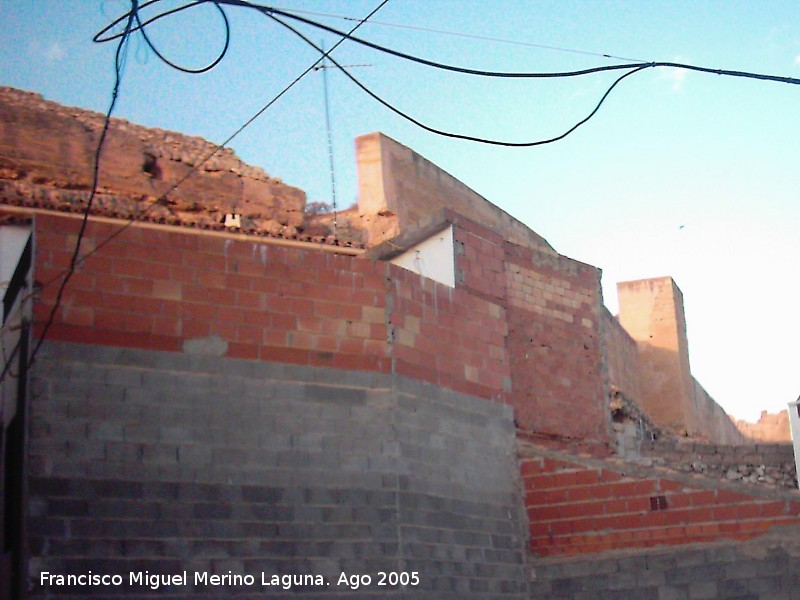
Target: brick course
[578, 507]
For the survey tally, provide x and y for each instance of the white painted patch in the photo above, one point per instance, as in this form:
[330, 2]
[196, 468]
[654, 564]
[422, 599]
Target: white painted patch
[433, 258]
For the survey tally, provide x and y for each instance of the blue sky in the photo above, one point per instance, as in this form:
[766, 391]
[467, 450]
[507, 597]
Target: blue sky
[680, 173]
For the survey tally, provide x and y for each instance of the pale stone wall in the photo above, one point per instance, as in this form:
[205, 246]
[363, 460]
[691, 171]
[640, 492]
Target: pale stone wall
[622, 357]
[651, 311]
[47, 155]
[768, 428]
[399, 188]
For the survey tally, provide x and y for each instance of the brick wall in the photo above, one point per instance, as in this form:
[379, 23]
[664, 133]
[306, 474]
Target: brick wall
[560, 385]
[521, 327]
[161, 461]
[159, 289]
[579, 507]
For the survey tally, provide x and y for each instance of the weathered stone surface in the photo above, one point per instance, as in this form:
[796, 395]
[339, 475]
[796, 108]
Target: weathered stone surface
[47, 156]
[769, 428]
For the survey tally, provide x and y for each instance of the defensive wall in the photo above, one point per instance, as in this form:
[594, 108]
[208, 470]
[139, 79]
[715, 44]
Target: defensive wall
[230, 403]
[651, 311]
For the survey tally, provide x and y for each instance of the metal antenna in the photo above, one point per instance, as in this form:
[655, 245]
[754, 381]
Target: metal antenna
[324, 66]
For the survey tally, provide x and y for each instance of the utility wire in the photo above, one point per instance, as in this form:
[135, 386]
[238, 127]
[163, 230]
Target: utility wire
[632, 69]
[119, 63]
[129, 18]
[162, 198]
[484, 38]
[133, 16]
[465, 70]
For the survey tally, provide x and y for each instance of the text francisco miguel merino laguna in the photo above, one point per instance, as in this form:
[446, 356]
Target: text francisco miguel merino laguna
[157, 580]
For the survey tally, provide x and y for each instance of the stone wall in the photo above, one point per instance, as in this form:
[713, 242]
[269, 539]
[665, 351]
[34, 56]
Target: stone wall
[713, 423]
[770, 465]
[622, 357]
[651, 312]
[47, 154]
[165, 462]
[770, 428]
[398, 188]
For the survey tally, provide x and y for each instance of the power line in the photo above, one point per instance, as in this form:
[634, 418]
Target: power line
[133, 16]
[632, 69]
[523, 74]
[119, 63]
[470, 36]
[129, 18]
[221, 146]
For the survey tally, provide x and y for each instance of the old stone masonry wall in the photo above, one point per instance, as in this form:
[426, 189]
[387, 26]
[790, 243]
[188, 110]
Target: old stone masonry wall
[162, 463]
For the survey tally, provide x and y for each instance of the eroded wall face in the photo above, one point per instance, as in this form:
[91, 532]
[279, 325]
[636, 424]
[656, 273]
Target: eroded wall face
[168, 462]
[47, 155]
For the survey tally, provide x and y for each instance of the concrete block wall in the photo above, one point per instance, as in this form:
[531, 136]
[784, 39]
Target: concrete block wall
[580, 506]
[766, 568]
[164, 462]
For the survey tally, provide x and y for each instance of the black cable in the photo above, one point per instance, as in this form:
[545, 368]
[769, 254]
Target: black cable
[483, 38]
[119, 60]
[140, 27]
[468, 71]
[131, 16]
[632, 69]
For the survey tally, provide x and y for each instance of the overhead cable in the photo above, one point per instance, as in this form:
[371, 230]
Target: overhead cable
[471, 36]
[119, 63]
[451, 134]
[130, 18]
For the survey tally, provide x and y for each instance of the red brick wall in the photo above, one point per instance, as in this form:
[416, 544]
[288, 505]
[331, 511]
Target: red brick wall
[521, 326]
[577, 509]
[555, 344]
[155, 289]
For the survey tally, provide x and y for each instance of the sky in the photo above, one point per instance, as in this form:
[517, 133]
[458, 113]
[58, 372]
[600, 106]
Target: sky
[679, 173]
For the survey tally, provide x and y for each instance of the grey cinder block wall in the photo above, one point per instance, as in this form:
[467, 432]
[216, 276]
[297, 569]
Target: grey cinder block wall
[767, 568]
[165, 463]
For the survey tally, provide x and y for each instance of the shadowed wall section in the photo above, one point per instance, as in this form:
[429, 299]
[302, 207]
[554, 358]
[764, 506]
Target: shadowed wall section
[168, 462]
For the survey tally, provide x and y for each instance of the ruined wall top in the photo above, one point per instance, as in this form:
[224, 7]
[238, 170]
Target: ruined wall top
[47, 156]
